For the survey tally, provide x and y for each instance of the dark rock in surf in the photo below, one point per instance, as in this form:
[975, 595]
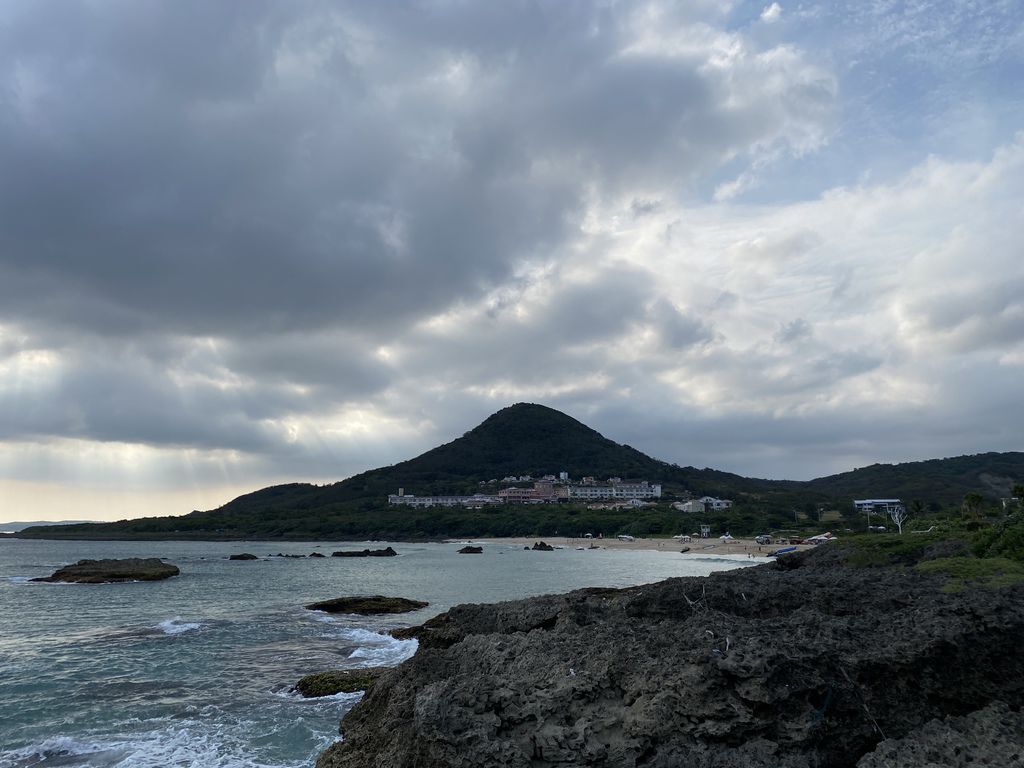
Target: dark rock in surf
[338, 681]
[368, 605]
[386, 552]
[106, 571]
[541, 546]
[243, 556]
[471, 550]
[316, 554]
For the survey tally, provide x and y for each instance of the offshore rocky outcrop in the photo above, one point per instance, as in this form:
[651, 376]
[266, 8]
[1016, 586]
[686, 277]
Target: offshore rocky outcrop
[106, 571]
[368, 605]
[386, 552]
[808, 663]
[337, 681]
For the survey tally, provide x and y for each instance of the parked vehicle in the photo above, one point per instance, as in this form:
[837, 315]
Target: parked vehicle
[764, 538]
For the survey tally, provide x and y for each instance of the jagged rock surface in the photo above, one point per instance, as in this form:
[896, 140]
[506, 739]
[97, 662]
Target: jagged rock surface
[807, 664]
[994, 734]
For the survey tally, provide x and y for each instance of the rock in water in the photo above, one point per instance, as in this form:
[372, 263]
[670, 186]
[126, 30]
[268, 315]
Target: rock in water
[386, 552]
[368, 605]
[105, 571]
[316, 554]
[243, 556]
[541, 546]
[470, 550]
[338, 681]
[803, 664]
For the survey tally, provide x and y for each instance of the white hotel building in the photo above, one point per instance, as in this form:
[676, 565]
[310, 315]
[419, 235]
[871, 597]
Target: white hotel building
[629, 489]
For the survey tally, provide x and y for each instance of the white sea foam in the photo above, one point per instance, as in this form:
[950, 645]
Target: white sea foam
[378, 650]
[298, 698]
[176, 626]
[184, 744]
[64, 751]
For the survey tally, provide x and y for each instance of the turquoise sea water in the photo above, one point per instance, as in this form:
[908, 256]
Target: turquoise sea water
[196, 670]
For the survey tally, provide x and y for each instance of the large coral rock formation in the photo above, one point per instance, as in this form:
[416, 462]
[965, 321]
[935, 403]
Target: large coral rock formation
[807, 664]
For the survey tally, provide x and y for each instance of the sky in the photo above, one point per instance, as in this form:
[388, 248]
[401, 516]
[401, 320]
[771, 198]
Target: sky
[251, 243]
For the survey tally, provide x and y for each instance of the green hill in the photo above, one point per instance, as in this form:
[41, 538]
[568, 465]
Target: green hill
[536, 440]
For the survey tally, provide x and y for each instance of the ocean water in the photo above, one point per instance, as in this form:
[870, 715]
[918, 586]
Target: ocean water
[196, 671]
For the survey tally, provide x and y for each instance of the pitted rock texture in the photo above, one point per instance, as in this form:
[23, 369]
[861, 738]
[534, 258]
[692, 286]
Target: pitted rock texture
[807, 664]
[991, 736]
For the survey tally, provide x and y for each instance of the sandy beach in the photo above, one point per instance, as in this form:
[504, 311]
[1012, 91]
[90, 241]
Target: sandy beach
[697, 546]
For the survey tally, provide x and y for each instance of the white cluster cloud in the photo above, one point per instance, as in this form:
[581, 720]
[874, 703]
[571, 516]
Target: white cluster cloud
[330, 236]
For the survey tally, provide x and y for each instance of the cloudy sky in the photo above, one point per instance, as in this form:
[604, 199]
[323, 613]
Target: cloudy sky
[248, 243]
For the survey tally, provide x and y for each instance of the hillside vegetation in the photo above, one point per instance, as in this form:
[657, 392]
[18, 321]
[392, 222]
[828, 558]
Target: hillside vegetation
[536, 440]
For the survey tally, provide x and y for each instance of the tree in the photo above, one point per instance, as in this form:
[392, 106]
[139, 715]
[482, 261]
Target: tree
[971, 505]
[1018, 494]
[898, 513]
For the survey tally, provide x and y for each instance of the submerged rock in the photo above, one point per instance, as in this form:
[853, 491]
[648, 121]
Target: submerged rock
[316, 554]
[105, 571]
[368, 605]
[386, 552]
[471, 550]
[803, 664]
[243, 556]
[337, 681]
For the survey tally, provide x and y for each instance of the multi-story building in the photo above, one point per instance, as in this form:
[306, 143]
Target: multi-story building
[882, 507]
[689, 506]
[711, 504]
[547, 489]
[410, 500]
[629, 489]
[517, 495]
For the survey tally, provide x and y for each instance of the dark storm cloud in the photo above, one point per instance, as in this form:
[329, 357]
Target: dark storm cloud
[327, 235]
[228, 169]
[164, 173]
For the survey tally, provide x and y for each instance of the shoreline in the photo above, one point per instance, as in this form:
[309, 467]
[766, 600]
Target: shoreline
[703, 547]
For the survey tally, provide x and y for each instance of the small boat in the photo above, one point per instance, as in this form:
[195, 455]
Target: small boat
[782, 551]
